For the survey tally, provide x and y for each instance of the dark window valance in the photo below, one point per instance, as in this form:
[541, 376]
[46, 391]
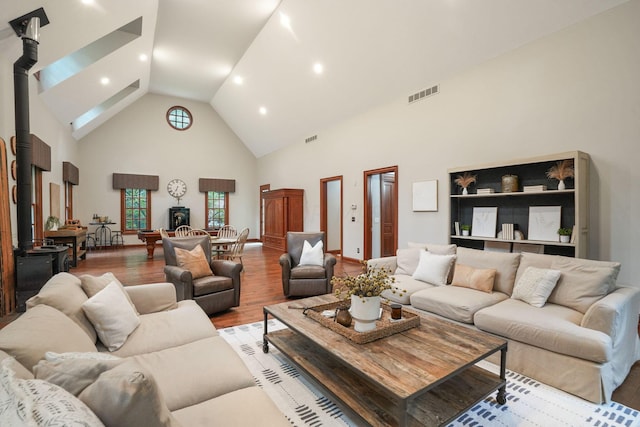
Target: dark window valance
[40, 154]
[70, 173]
[212, 184]
[126, 180]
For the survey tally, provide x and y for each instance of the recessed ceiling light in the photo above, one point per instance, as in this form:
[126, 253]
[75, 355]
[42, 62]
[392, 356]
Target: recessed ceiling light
[143, 57]
[238, 80]
[87, 1]
[263, 111]
[318, 68]
[104, 81]
[285, 21]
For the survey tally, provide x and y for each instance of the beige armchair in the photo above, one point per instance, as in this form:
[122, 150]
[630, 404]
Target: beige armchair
[305, 280]
[214, 293]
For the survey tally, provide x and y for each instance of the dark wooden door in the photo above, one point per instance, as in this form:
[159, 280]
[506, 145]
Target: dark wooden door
[387, 214]
[386, 191]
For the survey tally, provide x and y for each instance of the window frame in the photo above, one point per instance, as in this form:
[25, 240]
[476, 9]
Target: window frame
[68, 201]
[123, 215]
[185, 110]
[206, 208]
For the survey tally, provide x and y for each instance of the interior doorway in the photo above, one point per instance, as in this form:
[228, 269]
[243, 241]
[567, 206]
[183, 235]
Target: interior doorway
[263, 188]
[380, 212]
[331, 213]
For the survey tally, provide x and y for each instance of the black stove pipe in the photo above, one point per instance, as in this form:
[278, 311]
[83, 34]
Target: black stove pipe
[23, 138]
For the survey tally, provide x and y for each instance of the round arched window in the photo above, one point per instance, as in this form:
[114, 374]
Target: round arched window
[179, 118]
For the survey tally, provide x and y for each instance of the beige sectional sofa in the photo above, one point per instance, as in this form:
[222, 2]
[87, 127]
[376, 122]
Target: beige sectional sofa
[172, 370]
[583, 339]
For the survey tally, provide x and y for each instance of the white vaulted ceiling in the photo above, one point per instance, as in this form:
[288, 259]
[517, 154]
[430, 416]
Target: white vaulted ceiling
[371, 52]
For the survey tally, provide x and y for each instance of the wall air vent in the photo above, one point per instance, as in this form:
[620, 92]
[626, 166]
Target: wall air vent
[423, 94]
[310, 139]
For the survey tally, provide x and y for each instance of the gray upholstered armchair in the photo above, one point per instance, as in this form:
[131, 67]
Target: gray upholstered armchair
[305, 280]
[214, 293]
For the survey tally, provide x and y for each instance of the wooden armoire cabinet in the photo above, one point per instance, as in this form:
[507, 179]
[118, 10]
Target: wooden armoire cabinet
[283, 211]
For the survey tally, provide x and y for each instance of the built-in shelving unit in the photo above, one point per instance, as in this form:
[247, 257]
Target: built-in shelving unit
[513, 207]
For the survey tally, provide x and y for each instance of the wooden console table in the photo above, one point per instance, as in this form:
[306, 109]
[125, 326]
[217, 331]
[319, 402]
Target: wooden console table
[76, 239]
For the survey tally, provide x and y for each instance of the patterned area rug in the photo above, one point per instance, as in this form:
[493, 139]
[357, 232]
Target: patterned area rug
[529, 403]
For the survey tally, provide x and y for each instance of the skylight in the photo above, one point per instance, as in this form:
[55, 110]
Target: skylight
[104, 106]
[77, 61]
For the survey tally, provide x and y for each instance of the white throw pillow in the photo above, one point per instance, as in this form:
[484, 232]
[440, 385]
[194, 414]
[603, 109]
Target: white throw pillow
[433, 268]
[312, 255]
[35, 403]
[51, 356]
[535, 285]
[111, 315]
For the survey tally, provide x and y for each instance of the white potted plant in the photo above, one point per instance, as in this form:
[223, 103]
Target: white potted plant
[565, 234]
[464, 181]
[561, 171]
[52, 223]
[466, 229]
[364, 291]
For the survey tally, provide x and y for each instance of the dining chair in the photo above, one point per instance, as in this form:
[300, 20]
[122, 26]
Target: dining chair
[197, 232]
[182, 231]
[237, 249]
[228, 232]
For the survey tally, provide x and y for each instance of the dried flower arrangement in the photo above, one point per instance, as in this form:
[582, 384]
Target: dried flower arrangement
[465, 180]
[562, 170]
[370, 283]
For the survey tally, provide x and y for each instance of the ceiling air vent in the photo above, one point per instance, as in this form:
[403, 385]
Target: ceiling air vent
[423, 94]
[310, 139]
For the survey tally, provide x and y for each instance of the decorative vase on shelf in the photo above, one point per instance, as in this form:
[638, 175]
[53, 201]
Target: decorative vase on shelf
[464, 191]
[561, 185]
[365, 311]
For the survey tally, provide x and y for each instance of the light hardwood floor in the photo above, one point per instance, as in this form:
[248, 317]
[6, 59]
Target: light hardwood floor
[261, 285]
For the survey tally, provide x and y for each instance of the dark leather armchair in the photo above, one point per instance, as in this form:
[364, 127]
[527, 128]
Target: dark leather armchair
[305, 280]
[213, 293]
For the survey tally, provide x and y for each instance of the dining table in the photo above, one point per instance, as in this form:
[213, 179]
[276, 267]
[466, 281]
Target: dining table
[219, 245]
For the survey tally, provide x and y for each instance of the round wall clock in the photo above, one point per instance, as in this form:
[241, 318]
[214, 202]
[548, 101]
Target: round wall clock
[177, 188]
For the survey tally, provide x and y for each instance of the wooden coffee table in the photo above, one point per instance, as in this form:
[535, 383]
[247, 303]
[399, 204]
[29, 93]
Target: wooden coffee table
[422, 376]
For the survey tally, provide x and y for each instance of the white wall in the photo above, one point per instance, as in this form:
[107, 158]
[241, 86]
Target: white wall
[138, 140]
[577, 89]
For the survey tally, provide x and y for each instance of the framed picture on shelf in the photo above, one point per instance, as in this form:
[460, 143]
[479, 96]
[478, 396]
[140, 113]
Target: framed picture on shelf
[544, 222]
[484, 222]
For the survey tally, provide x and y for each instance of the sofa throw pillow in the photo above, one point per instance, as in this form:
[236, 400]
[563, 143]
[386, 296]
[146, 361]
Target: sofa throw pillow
[128, 395]
[64, 292]
[535, 285]
[111, 316]
[84, 355]
[433, 268]
[480, 279]
[35, 403]
[583, 282]
[195, 261]
[41, 329]
[91, 285]
[312, 255]
[407, 261]
[73, 375]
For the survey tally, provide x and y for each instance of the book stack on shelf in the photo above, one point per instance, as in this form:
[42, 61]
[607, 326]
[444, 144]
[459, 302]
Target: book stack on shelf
[507, 231]
[486, 191]
[534, 188]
